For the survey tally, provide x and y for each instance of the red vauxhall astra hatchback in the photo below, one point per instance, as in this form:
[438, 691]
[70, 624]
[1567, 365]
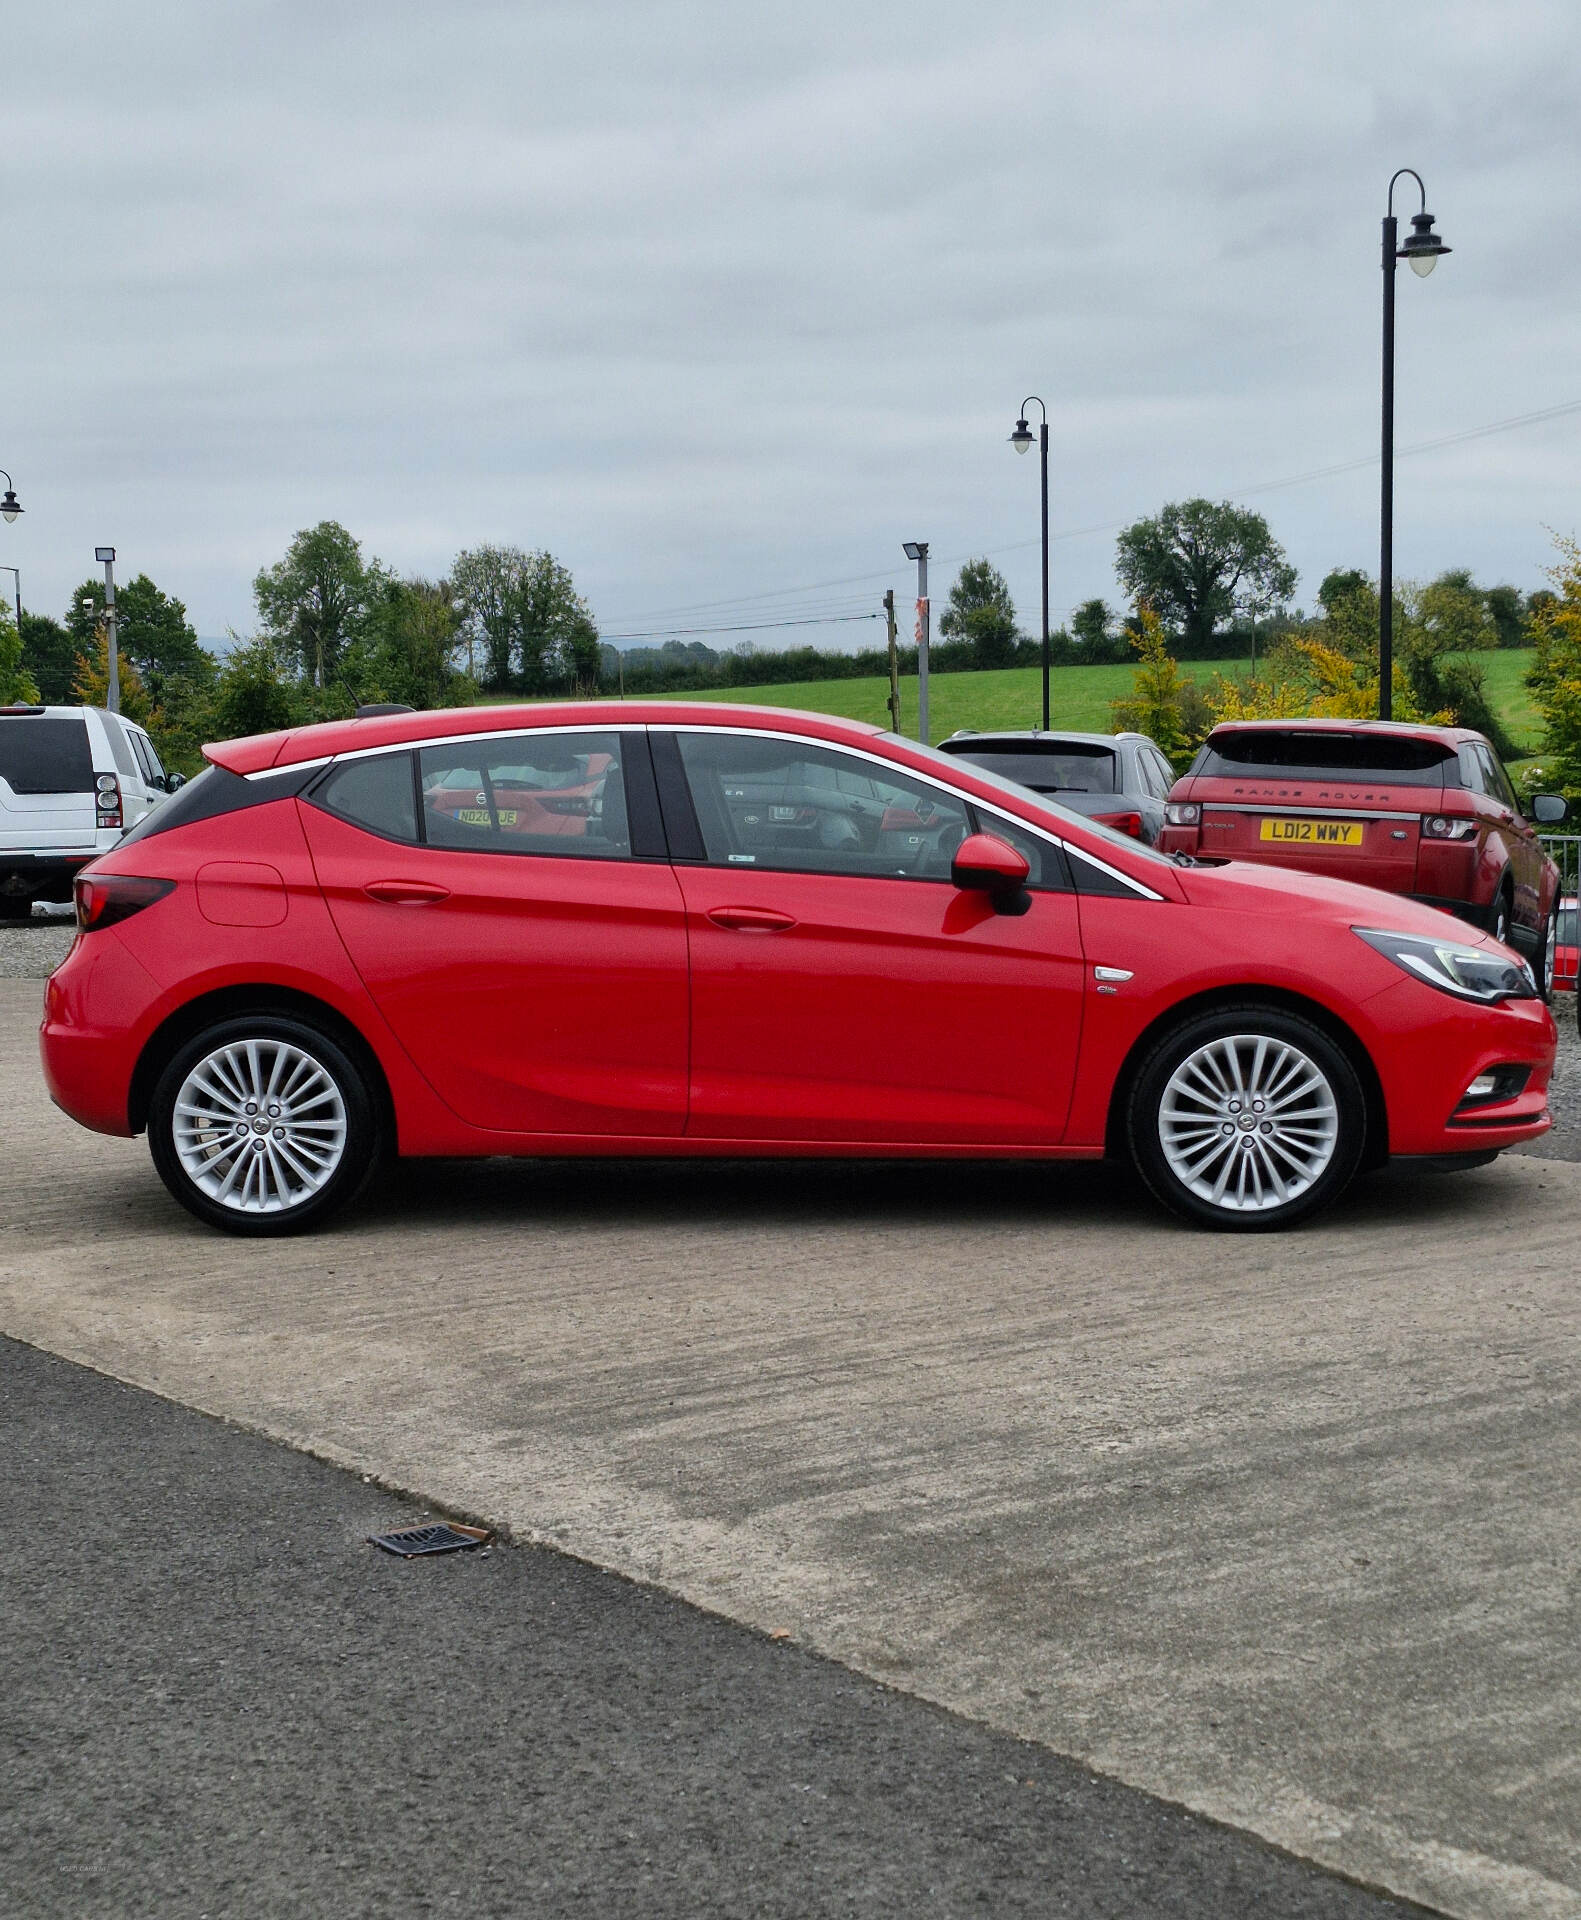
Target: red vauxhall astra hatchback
[687, 929]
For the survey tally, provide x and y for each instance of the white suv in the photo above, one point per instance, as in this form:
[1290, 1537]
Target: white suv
[71, 780]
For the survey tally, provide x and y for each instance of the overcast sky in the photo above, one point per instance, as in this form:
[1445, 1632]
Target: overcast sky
[723, 303]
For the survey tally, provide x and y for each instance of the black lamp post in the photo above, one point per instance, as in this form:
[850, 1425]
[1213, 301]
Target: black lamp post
[10, 506]
[1021, 440]
[1422, 249]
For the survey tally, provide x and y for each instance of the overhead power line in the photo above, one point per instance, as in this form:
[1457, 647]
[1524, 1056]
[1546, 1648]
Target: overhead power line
[746, 600]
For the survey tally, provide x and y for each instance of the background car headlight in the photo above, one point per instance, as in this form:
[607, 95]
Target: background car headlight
[1182, 813]
[1469, 973]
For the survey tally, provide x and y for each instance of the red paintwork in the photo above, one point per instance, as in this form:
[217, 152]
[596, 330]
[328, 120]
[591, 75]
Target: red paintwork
[1395, 854]
[552, 1005]
[1565, 951]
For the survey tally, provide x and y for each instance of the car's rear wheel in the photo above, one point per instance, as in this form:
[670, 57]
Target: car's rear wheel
[1544, 968]
[1247, 1119]
[263, 1124]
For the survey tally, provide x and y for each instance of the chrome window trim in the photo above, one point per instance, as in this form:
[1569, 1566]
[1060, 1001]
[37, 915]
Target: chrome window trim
[1304, 813]
[1142, 891]
[445, 740]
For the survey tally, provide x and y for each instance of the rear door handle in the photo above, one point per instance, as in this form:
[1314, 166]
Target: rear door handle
[406, 893]
[751, 919]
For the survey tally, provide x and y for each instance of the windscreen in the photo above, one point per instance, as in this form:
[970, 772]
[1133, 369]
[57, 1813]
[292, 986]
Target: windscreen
[1054, 769]
[1297, 753]
[45, 753]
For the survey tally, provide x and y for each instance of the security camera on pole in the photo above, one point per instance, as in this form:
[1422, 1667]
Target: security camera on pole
[112, 698]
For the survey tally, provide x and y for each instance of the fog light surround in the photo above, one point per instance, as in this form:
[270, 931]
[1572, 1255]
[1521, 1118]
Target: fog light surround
[1493, 1086]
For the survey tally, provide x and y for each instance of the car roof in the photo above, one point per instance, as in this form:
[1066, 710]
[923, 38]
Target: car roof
[1036, 737]
[1398, 729]
[298, 744]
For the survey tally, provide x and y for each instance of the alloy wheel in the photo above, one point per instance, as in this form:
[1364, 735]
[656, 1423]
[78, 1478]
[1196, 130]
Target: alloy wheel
[259, 1126]
[1248, 1122]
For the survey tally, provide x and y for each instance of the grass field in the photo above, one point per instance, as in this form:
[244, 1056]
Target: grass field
[1079, 697]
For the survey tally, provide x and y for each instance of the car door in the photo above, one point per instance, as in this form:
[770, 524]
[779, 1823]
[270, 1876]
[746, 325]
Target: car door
[1522, 843]
[842, 988]
[509, 906]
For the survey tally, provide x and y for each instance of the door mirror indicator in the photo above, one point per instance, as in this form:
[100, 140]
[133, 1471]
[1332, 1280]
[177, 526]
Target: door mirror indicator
[1548, 809]
[984, 863]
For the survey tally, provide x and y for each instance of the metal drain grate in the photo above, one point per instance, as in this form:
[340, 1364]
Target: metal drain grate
[408, 1542]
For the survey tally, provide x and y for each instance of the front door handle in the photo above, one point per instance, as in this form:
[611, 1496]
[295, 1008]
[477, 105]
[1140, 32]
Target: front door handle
[751, 919]
[406, 893]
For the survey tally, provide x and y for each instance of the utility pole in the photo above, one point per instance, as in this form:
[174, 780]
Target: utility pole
[112, 698]
[918, 550]
[894, 663]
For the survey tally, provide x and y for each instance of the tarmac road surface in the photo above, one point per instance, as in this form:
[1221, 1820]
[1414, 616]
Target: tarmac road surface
[1282, 1529]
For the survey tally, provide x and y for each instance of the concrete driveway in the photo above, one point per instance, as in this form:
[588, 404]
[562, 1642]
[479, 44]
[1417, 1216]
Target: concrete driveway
[1283, 1529]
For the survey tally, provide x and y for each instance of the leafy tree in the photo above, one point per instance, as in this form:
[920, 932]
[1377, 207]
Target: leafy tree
[16, 683]
[255, 691]
[1197, 564]
[411, 637]
[1155, 704]
[90, 683]
[522, 613]
[1338, 585]
[1508, 616]
[50, 656]
[1093, 632]
[1555, 675]
[981, 612]
[314, 603]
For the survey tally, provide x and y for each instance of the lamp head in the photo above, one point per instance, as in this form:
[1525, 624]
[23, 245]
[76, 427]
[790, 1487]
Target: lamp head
[916, 549]
[1021, 439]
[10, 506]
[1422, 246]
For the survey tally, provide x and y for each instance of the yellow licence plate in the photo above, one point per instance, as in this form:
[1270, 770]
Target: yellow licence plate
[1313, 833]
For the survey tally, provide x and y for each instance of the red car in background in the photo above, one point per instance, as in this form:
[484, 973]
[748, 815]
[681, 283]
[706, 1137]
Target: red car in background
[1424, 811]
[766, 933]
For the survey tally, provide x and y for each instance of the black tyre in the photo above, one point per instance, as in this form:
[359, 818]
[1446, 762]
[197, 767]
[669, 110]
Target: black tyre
[1543, 961]
[1247, 1119]
[263, 1124]
[1499, 917]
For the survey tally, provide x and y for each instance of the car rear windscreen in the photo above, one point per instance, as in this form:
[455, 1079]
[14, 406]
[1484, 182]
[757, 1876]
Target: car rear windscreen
[1295, 754]
[1052, 769]
[45, 753]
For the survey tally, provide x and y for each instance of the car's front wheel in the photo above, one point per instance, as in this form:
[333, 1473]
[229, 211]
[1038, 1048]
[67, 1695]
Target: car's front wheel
[1544, 968]
[263, 1124]
[1247, 1119]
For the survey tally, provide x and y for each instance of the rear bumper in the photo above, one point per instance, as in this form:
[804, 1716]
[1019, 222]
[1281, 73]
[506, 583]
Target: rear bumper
[41, 876]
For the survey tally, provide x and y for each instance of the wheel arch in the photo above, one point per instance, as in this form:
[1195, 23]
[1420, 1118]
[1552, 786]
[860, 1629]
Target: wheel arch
[1375, 1150]
[225, 1003]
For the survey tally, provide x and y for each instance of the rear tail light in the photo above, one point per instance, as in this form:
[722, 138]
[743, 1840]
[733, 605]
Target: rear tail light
[1130, 823]
[1182, 813]
[1442, 826]
[107, 800]
[104, 898]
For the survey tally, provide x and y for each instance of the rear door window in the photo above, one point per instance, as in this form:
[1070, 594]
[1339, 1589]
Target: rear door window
[45, 753]
[120, 747]
[376, 794]
[560, 793]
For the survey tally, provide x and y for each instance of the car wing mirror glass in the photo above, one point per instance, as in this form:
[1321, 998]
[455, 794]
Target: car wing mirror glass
[1548, 809]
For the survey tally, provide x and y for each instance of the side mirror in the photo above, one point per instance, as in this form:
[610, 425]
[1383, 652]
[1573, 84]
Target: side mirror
[173, 781]
[1548, 809]
[984, 863]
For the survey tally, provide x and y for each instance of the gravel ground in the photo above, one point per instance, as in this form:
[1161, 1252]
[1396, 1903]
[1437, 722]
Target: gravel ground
[33, 951]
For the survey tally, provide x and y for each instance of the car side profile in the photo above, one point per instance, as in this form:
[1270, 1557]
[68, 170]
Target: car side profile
[1417, 810]
[1121, 780]
[677, 929]
[72, 779]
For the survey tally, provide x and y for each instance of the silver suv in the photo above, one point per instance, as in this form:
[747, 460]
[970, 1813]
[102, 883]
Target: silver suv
[72, 779]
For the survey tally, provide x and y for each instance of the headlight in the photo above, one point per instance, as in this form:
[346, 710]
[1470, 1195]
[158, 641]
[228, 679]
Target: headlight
[1469, 973]
[1182, 813]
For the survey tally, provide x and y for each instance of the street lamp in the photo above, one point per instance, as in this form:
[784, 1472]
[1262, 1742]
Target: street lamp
[1021, 440]
[1422, 249]
[10, 506]
[112, 698]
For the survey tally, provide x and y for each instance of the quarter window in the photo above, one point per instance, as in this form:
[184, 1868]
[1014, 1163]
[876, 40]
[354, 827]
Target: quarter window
[528, 793]
[802, 808]
[376, 794]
